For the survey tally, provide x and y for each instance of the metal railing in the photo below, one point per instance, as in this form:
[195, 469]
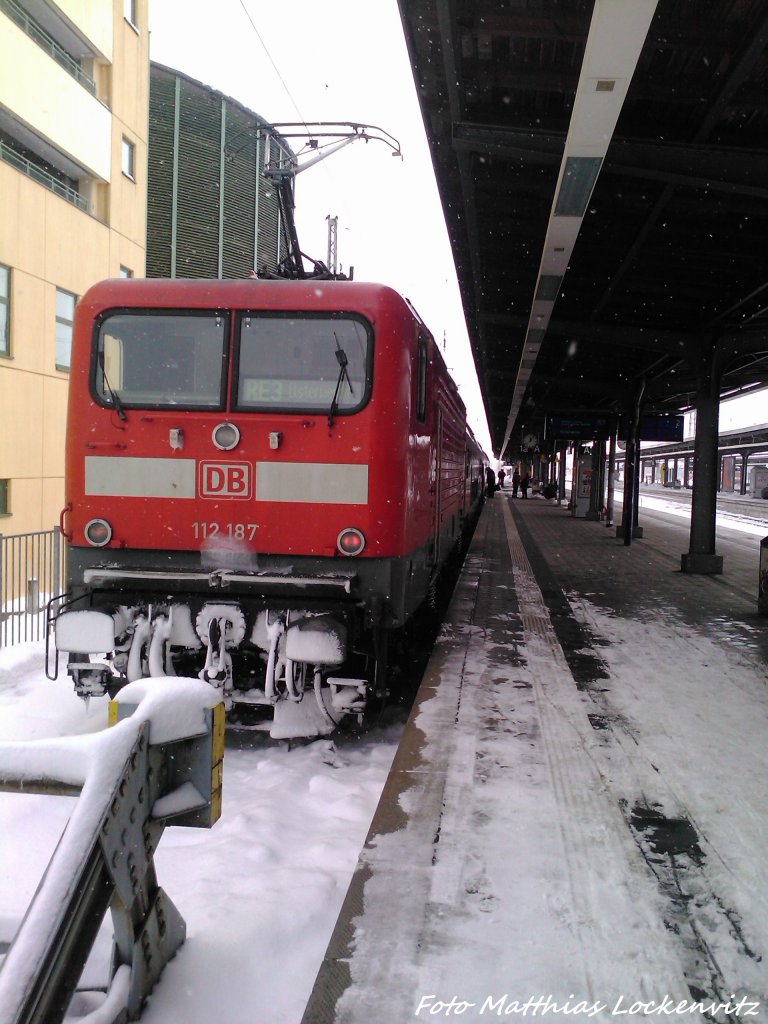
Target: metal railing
[31, 572]
[10, 156]
[129, 788]
[46, 41]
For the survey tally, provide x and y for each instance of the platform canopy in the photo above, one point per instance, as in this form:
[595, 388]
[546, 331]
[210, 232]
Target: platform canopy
[603, 170]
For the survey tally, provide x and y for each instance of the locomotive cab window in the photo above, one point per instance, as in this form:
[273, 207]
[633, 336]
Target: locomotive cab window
[307, 363]
[153, 360]
[421, 380]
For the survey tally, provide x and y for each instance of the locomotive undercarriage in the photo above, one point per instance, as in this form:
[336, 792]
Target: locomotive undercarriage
[295, 647]
[288, 669]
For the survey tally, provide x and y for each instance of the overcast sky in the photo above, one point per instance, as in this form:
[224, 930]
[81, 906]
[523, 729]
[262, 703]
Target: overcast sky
[341, 60]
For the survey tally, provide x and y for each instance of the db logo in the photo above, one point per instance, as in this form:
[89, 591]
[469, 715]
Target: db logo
[225, 479]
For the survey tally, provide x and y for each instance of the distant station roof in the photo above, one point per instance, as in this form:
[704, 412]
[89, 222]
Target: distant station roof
[603, 169]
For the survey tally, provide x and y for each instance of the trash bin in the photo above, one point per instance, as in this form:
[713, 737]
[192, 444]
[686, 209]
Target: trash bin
[762, 596]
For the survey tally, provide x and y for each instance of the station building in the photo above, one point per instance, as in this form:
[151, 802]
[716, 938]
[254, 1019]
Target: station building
[74, 84]
[107, 169]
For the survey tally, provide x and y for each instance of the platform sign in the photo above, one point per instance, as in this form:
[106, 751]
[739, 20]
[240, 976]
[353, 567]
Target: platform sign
[656, 427]
[579, 426]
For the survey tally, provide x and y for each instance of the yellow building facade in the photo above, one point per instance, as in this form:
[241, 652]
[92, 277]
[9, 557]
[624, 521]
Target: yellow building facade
[74, 84]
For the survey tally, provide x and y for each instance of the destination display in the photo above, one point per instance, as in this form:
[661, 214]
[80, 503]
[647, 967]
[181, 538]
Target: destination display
[263, 391]
[579, 426]
[599, 426]
[656, 427]
[661, 428]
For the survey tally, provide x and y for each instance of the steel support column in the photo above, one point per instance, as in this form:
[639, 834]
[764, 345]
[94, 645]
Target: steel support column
[629, 528]
[175, 180]
[701, 556]
[744, 456]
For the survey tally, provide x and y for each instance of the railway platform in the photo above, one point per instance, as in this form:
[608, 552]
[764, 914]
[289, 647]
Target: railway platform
[575, 822]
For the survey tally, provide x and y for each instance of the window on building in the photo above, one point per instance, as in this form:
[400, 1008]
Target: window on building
[5, 311]
[125, 271]
[129, 159]
[129, 11]
[65, 314]
[5, 501]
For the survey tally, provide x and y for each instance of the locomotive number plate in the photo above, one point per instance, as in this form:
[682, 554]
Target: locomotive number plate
[237, 531]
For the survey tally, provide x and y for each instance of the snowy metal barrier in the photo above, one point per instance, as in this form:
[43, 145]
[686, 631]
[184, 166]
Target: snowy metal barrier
[30, 572]
[160, 764]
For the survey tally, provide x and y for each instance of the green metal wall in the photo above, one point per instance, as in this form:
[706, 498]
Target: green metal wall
[209, 212]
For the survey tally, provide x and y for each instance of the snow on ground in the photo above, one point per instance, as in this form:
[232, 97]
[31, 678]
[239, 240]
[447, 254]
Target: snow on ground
[689, 717]
[550, 884]
[743, 521]
[260, 892]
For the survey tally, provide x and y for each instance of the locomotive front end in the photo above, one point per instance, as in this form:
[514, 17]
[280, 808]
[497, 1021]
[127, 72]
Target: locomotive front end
[264, 481]
[222, 518]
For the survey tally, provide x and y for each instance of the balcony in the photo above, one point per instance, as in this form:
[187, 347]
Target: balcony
[47, 43]
[42, 177]
[73, 126]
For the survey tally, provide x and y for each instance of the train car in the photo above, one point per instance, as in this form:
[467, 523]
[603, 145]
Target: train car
[263, 481]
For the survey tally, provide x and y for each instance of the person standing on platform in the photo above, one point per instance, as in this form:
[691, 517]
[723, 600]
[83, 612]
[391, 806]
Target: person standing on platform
[524, 483]
[490, 482]
[502, 474]
[515, 482]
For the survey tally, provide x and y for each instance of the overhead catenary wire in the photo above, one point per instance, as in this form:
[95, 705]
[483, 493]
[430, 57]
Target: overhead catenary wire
[282, 81]
[271, 61]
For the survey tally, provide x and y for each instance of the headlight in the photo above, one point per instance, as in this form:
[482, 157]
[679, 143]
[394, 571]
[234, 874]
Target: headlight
[226, 436]
[98, 532]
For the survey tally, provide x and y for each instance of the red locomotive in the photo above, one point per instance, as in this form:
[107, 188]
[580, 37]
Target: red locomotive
[264, 479]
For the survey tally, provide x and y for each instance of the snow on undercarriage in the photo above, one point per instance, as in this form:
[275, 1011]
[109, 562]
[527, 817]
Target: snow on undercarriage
[279, 670]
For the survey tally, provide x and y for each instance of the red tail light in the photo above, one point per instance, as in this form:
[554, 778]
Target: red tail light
[350, 541]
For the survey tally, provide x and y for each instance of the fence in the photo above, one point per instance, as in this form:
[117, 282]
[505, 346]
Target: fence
[31, 572]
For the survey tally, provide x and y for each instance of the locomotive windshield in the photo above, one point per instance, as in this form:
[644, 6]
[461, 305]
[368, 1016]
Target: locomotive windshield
[307, 363]
[300, 363]
[155, 359]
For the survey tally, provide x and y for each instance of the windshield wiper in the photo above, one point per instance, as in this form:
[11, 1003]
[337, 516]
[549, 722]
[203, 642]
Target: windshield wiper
[119, 408]
[341, 359]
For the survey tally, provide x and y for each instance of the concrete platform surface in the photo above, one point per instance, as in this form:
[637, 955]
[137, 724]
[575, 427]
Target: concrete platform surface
[576, 820]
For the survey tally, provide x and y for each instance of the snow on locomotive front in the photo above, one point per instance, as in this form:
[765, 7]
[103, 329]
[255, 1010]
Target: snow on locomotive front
[262, 480]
